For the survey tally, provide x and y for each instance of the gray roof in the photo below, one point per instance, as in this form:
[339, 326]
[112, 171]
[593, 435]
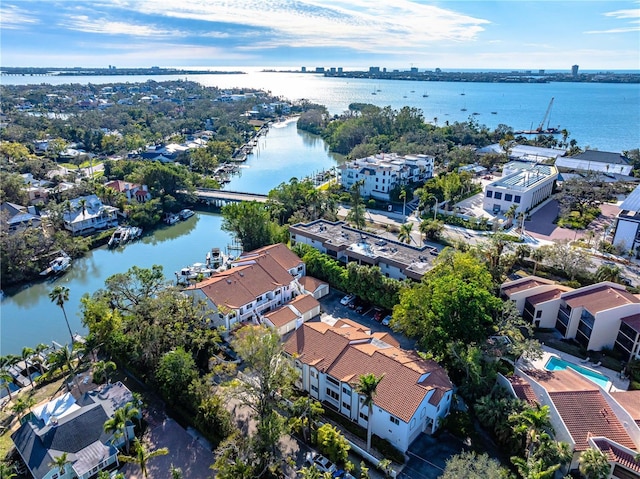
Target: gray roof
[632, 202]
[601, 157]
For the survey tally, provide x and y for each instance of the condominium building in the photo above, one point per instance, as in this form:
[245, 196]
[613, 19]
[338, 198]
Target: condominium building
[522, 184]
[626, 234]
[381, 173]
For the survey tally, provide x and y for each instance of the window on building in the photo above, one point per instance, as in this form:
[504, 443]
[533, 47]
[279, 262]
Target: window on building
[489, 194]
[538, 314]
[364, 416]
[498, 195]
[314, 389]
[413, 423]
[332, 394]
[517, 199]
[346, 406]
[333, 381]
[394, 420]
[346, 391]
[508, 197]
[314, 374]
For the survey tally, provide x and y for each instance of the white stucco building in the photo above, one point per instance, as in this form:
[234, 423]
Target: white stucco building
[522, 184]
[626, 235]
[382, 173]
[413, 396]
[92, 217]
[597, 161]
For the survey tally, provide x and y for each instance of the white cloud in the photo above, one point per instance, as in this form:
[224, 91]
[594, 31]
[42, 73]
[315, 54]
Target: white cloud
[91, 25]
[358, 24]
[632, 14]
[14, 18]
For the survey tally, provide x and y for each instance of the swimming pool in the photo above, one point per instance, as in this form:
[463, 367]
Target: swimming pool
[556, 364]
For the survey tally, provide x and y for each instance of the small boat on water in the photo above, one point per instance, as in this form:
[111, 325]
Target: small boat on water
[122, 234]
[195, 272]
[186, 213]
[171, 219]
[217, 260]
[494, 112]
[58, 265]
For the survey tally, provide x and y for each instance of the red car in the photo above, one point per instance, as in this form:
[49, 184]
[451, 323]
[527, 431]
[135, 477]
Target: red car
[378, 315]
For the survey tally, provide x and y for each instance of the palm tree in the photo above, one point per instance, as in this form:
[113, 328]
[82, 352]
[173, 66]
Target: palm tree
[142, 456]
[23, 404]
[60, 295]
[82, 203]
[404, 235]
[122, 417]
[6, 378]
[60, 462]
[594, 464]
[511, 213]
[26, 355]
[534, 468]
[537, 255]
[102, 371]
[606, 272]
[367, 386]
[403, 197]
[532, 422]
[431, 229]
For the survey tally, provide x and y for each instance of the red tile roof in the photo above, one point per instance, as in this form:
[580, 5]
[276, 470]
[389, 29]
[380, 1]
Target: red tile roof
[617, 455]
[408, 379]
[586, 414]
[600, 298]
[304, 303]
[523, 389]
[547, 295]
[311, 284]
[279, 252]
[523, 284]
[281, 316]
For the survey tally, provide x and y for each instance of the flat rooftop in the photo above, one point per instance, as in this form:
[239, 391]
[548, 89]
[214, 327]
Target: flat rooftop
[527, 176]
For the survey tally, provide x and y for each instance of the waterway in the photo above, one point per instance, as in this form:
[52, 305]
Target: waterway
[603, 116]
[28, 317]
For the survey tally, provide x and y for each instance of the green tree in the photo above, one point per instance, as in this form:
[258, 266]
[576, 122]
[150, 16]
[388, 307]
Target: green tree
[606, 272]
[471, 465]
[22, 404]
[102, 371]
[176, 371]
[251, 223]
[61, 463]
[12, 189]
[305, 411]
[236, 458]
[404, 235]
[7, 470]
[333, 444]
[431, 229]
[142, 456]
[357, 211]
[118, 424]
[594, 464]
[60, 295]
[531, 422]
[367, 387]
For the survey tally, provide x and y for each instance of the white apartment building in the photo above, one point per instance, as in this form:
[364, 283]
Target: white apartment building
[413, 396]
[522, 184]
[382, 173]
[626, 235]
[602, 315]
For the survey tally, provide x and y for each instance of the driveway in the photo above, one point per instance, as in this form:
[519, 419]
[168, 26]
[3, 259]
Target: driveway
[428, 456]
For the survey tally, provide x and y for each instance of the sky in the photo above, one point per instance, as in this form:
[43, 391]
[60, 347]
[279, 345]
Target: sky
[463, 34]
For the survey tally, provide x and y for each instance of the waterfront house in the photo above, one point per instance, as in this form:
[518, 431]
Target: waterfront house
[76, 427]
[522, 184]
[338, 240]
[92, 217]
[18, 217]
[602, 315]
[597, 161]
[382, 173]
[258, 282]
[413, 396]
[584, 415]
[133, 192]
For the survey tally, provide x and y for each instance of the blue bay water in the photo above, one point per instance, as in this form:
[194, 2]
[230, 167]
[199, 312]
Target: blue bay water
[602, 116]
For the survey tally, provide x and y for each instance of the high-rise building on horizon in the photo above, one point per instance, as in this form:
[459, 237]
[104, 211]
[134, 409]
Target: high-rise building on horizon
[574, 70]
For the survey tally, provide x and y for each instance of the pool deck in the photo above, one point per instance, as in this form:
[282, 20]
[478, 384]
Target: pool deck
[617, 383]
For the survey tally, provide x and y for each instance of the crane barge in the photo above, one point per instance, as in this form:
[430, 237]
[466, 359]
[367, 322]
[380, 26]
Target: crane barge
[541, 130]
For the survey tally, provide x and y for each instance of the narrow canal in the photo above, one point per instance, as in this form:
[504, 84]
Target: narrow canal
[28, 317]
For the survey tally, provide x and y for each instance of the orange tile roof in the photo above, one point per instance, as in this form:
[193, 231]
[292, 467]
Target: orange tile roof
[279, 252]
[601, 298]
[587, 414]
[345, 322]
[281, 316]
[617, 455]
[309, 283]
[304, 303]
[630, 401]
[387, 338]
[400, 392]
[523, 389]
[526, 283]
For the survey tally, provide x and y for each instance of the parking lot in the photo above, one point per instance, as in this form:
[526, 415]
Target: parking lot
[428, 456]
[331, 305]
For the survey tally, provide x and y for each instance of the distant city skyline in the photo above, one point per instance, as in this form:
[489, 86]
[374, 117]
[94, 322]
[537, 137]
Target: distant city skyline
[550, 35]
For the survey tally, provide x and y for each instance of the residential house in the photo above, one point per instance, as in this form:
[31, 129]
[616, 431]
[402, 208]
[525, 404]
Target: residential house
[292, 315]
[582, 415]
[395, 259]
[522, 184]
[18, 217]
[76, 427]
[626, 234]
[259, 281]
[133, 192]
[92, 217]
[602, 315]
[36, 189]
[313, 286]
[381, 173]
[412, 397]
[597, 161]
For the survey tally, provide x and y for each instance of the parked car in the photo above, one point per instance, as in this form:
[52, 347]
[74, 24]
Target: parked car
[378, 314]
[320, 462]
[359, 309]
[347, 299]
[387, 320]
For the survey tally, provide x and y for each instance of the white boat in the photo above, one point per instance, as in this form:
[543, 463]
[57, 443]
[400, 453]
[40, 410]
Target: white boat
[217, 260]
[58, 265]
[195, 272]
[186, 213]
[122, 234]
[171, 219]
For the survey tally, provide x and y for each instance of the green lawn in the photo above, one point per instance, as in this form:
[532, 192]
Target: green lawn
[84, 164]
